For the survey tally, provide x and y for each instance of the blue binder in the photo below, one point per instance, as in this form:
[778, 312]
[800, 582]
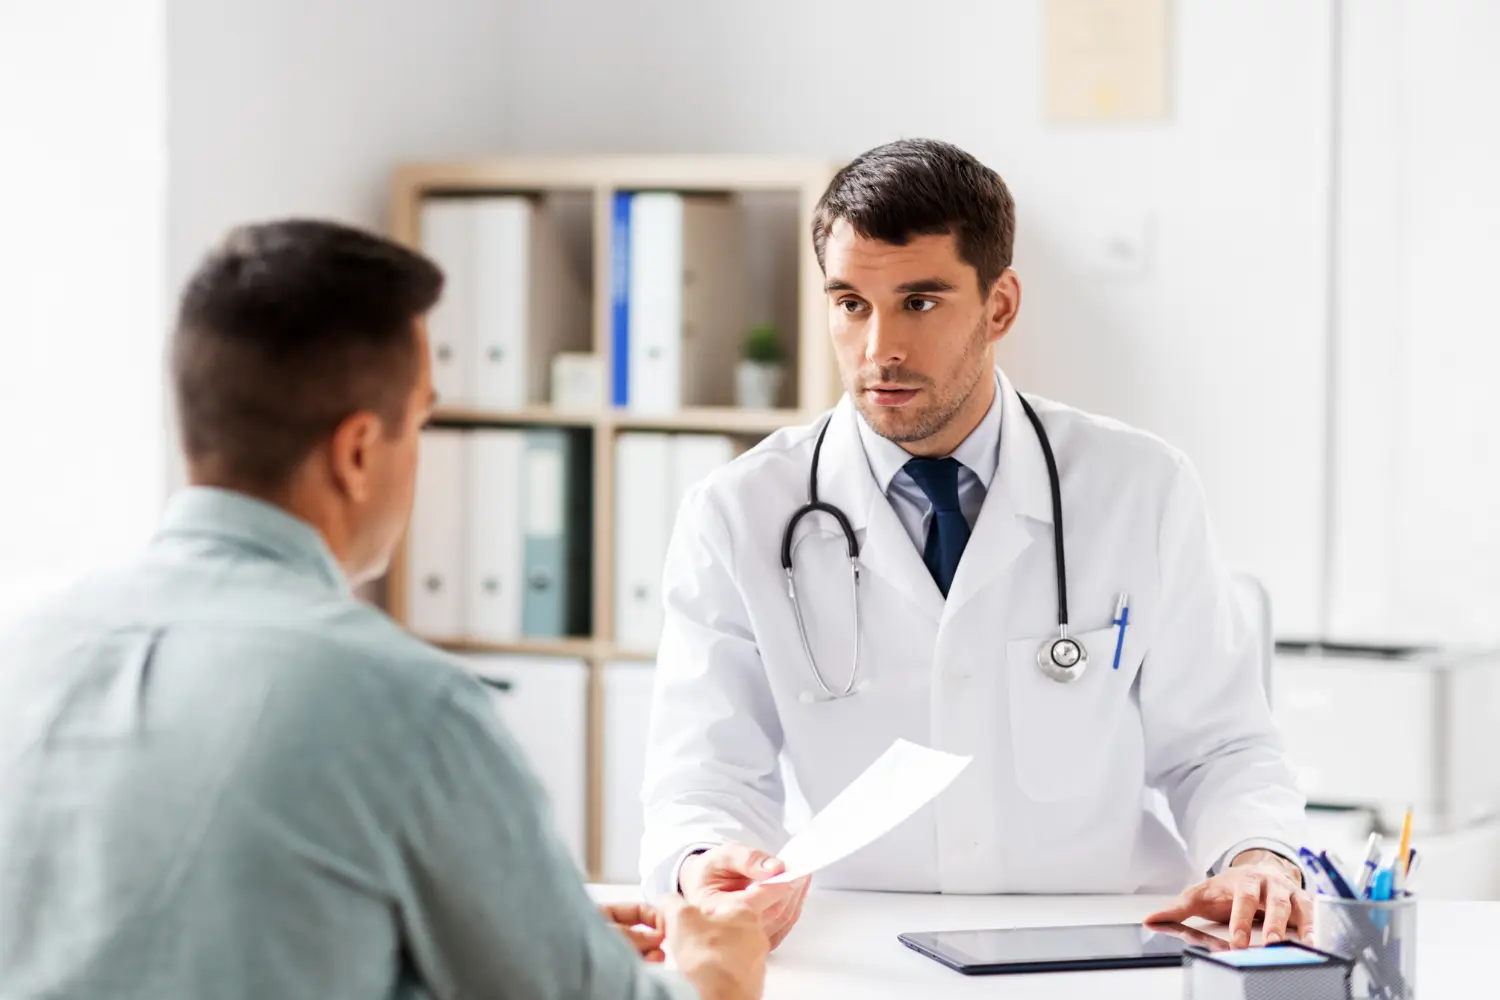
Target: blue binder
[619, 284]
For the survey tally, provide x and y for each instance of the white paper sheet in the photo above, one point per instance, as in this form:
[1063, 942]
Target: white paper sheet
[904, 779]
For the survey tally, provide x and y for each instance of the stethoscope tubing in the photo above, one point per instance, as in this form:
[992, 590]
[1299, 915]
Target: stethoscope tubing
[1049, 652]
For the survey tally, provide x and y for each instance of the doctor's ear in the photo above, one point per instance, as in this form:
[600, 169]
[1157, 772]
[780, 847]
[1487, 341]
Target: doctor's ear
[1003, 304]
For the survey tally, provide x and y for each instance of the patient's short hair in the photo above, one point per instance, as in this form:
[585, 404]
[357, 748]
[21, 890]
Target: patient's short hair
[285, 330]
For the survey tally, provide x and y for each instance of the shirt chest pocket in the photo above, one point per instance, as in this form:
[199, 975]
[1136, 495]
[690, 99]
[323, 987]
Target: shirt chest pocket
[1062, 733]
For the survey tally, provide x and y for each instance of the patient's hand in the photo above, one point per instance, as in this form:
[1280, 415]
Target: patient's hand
[731, 873]
[721, 952]
[642, 926]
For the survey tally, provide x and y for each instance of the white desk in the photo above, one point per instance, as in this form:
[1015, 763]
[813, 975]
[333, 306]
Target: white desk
[845, 946]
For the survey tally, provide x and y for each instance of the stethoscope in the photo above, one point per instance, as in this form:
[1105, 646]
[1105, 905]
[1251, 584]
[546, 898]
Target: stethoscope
[1061, 658]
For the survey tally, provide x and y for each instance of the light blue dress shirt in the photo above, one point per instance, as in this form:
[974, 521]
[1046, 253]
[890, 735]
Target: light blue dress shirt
[223, 776]
[979, 456]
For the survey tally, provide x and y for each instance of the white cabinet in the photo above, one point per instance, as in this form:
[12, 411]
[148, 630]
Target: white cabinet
[627, 714]
[1420, 730]
[543, 702]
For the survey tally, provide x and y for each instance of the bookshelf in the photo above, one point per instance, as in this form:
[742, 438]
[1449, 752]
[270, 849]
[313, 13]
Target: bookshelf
[814, 382]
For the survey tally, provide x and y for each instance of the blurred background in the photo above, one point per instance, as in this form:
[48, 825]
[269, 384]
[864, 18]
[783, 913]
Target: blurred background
[1265, 231]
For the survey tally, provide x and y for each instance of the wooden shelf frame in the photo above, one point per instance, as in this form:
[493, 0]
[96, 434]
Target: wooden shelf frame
[701, 420]
[817, 385]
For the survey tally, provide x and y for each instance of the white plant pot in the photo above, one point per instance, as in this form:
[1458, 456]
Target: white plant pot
[757, 385]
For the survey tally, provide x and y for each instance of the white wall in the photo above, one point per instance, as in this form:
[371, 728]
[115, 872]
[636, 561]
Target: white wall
[289, 107]
[284, 106]
[1416, 532]
[1220, 346]
[82, 162]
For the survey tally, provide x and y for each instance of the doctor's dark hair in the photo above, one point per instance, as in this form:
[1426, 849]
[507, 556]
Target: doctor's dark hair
[922, 187]
[286, 329]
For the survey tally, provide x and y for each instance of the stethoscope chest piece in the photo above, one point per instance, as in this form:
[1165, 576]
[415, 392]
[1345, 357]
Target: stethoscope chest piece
[1063, 659]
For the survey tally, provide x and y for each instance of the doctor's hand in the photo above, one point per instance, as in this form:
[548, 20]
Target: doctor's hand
[642, 926]
[731, 873]
[1256, 882]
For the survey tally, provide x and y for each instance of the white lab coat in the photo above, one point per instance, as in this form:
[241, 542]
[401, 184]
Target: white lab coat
[1078, 787]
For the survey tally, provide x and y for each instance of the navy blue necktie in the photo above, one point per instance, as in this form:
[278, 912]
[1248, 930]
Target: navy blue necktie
[949, 531]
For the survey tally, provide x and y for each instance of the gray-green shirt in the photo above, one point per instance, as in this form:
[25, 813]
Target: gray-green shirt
[223, 776]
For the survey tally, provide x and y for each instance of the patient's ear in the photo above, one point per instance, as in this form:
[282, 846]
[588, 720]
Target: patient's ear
[350, 455]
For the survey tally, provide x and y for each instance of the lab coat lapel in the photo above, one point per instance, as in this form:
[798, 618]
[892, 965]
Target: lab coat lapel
[1017, 508]
[886, 550]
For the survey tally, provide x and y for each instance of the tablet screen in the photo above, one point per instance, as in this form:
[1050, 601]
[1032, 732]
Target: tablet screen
[1123, 944]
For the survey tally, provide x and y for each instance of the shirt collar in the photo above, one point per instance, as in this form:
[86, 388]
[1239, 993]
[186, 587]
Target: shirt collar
[205, 511]
[979, 452]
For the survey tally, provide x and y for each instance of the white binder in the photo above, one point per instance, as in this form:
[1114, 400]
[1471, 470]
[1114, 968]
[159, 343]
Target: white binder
[498, 360]
[529, 303]
[543, 703]
[688, 300]
[447, 236]
[656, 302]
[627, 716]
[643, 477]
[494, 583]
[435, 549]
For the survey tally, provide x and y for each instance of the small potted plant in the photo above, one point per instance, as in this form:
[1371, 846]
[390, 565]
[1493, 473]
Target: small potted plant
[758, 377]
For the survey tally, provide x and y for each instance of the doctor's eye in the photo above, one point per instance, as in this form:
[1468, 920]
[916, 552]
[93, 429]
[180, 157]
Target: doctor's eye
[921, 305]
[852, 306]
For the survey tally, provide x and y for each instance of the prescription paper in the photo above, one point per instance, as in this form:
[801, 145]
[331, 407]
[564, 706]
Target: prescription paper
[904, 779]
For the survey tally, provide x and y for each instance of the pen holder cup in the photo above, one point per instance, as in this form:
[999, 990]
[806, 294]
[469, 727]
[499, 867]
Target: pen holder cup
[1379, 938]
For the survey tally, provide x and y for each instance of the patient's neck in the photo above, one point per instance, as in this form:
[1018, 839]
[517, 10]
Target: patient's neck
[310, 502]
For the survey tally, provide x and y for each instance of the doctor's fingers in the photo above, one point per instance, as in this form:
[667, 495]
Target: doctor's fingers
[1278, 912]
[1247, 903]
[770, 901]
[783, 924]
[785, 905]
[738, 862]
[1194, 902]
[1302, 914]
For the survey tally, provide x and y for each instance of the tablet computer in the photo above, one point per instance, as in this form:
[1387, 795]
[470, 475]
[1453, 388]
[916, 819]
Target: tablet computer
[1059, 949]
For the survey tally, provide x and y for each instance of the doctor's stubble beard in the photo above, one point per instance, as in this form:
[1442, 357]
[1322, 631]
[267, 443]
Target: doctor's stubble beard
[974, 364]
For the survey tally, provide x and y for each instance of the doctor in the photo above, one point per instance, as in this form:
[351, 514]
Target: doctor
[977, 614]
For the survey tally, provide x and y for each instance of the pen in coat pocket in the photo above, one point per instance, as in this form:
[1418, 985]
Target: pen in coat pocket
[1122, 618]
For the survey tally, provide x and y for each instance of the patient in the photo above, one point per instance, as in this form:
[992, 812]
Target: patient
[223, 776]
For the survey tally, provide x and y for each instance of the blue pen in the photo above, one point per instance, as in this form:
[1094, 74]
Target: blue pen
[1122, 618]
[1315, 867]
[1340, 884]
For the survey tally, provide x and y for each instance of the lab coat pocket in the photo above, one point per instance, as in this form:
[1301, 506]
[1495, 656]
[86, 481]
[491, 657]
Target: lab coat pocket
[1062, 735]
